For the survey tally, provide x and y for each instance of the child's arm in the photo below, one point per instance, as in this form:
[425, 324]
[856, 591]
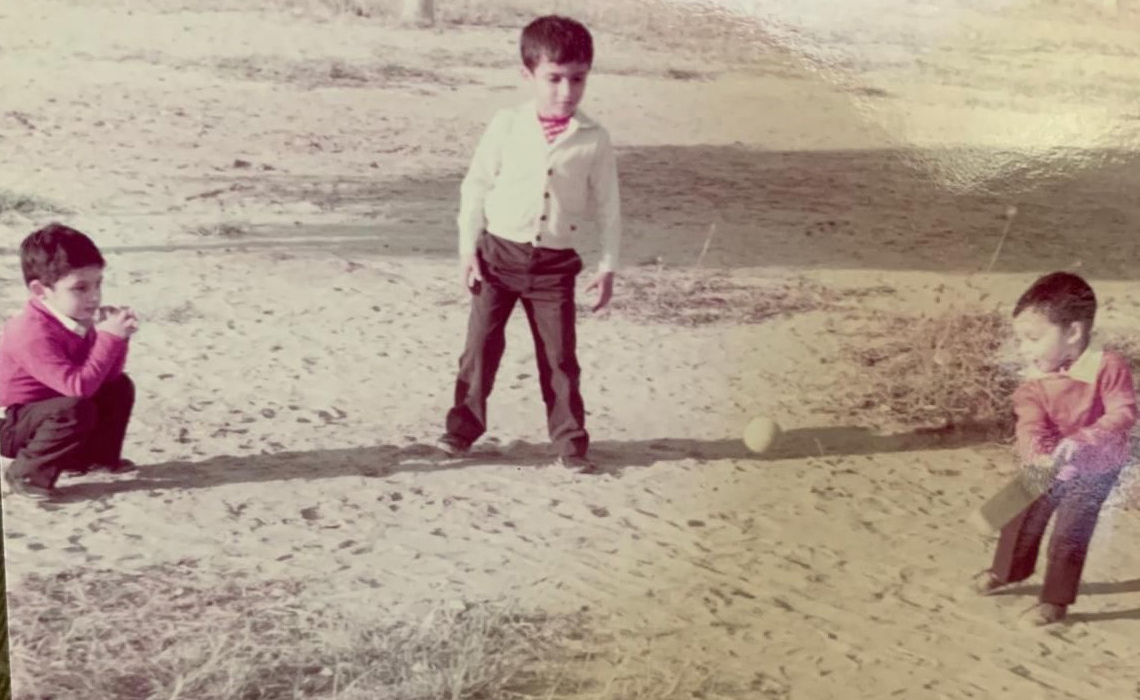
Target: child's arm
[604, 188]
[1119, 400]
[478, 182]
[1036, 436]
[130, 327]
[1107, 441]
[46, 362]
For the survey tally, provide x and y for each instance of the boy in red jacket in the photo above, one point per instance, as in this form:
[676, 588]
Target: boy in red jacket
[66, 399]
[1075, 413]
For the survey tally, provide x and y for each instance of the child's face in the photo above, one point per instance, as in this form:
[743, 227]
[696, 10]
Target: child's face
[558, 86]
[1043, 344]
[76, 295]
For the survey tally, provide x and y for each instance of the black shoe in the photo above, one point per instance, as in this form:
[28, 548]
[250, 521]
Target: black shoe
[22, 487]
[453, 446]
[123, 466]
[580, 463]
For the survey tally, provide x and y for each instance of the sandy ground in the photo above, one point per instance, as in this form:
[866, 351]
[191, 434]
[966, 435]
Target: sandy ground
[275, 196]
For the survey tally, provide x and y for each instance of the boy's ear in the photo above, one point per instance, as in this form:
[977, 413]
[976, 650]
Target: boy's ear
[525, 72]
[37, 288]
[1076, 333]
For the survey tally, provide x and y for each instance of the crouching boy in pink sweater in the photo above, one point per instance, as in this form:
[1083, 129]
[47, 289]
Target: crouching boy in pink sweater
[66, 399]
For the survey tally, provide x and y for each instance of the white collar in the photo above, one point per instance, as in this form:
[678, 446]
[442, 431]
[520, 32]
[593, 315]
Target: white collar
[1084, 369]
[68, 322]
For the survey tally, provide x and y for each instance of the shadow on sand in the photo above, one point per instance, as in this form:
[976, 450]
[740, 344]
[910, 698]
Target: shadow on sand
[875, 209]
[613, 457]
[1098, 588]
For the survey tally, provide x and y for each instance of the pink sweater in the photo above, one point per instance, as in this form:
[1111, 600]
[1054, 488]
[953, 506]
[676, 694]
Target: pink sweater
[41, 359]
[1093, 404]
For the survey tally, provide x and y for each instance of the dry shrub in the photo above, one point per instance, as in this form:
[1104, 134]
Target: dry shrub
[955, 370]
[165, 632]
[697, 298]
[951, 370]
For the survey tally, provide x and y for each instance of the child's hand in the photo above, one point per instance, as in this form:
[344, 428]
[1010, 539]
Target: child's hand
[604, 284]
[103, 312]
[1065, 455]
[471, 273]
[1067, 450]
[121, 322]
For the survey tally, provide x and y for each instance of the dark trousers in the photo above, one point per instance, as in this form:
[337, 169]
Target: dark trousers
[47, 437]
[1077, 504]
[543, 280]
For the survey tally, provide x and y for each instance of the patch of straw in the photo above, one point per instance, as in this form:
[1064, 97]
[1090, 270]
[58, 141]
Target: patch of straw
[167, 632]
[952, 370]
[695, 297]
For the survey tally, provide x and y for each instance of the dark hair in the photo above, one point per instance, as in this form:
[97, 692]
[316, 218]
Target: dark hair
[558, 40]
[1063, 297]
[51, 253]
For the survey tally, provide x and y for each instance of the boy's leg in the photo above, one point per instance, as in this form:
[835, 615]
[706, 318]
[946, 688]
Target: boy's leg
[115, 399]
[491, 308]
[1020, 542]
[551, 311]
[48, 436]
[1077, 515]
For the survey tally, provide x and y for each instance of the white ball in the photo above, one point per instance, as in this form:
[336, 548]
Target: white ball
[760, 434]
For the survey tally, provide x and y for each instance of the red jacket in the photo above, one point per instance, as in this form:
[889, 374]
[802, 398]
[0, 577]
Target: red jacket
[1093, 403]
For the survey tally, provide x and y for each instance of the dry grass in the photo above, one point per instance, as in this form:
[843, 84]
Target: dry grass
[696, 297]
[952, 370]
[166, 632]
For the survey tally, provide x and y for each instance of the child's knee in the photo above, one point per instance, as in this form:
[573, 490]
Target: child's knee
[122, 386]
[76, 415]
[564, 359]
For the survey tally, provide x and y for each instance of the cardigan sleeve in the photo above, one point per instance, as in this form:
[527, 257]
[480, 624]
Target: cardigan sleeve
[478, 181]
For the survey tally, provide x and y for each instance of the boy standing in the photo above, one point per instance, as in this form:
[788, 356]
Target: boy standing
[66, 400]
[539, 173]
[1075, 414]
